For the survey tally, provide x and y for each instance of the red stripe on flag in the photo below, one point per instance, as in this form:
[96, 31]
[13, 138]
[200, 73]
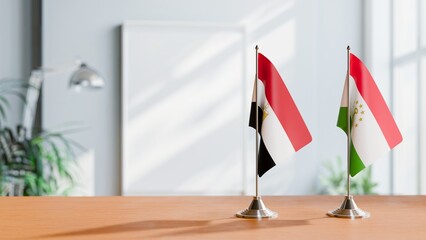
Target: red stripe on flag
[372, 96]
[282, 103]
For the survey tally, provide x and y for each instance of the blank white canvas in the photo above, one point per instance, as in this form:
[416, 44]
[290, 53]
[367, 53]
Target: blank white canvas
[183, 109]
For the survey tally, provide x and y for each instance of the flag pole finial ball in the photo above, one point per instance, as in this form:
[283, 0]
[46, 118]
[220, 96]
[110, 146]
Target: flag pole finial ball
[257, 47]
[349, 48]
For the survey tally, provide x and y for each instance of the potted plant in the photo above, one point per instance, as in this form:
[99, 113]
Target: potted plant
[333, 181]
[40, 164]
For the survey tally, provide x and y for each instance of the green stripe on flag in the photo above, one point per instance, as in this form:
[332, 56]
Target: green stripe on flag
[356, 164]
[342, 120]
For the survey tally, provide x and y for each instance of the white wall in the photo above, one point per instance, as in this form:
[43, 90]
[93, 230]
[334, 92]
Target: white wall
[340, 25]
[306, 39]
[15, 47]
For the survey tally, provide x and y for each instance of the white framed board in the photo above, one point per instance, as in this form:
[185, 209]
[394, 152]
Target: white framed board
[184, 109]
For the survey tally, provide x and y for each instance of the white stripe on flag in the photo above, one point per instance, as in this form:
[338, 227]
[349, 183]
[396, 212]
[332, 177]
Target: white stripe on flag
[344, 101]
[273, 134]
[367, 137]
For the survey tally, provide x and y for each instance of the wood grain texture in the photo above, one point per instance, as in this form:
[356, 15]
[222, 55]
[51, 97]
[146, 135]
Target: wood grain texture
[300, 217]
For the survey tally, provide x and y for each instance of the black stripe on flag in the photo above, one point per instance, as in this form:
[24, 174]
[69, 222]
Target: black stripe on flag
[265, 159]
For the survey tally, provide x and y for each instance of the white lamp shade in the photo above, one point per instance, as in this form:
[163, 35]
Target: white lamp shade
[86, 77]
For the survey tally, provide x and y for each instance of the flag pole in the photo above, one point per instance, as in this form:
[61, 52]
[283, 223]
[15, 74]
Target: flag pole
[257, 208]
[348, 182]
[257, 123]
[348, 208]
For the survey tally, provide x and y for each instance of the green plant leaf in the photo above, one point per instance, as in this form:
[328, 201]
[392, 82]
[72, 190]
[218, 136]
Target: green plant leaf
[46, 159]
[2, 113]
[334, 179]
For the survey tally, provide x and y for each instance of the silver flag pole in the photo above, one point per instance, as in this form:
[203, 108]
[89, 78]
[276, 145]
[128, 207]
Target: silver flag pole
[348, 208]
[348, 119]
[257, 208]
[257, 122]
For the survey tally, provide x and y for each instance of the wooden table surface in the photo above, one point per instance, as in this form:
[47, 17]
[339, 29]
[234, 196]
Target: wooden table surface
[300, 217]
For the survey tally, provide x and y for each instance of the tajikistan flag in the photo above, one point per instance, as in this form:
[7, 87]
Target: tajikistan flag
[281, 126]
[373, 129]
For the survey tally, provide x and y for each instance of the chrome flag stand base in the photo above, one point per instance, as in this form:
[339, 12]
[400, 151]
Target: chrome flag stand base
[348, 209]
[257, 209]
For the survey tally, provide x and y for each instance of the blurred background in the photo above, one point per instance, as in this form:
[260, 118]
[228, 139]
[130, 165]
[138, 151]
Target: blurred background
[172, 116]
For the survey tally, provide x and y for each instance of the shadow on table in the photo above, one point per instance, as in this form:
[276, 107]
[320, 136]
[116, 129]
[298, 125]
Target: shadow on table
[238, 225]
[198, 226]
[130, 227]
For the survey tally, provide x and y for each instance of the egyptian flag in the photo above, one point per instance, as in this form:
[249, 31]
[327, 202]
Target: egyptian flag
[281, 127]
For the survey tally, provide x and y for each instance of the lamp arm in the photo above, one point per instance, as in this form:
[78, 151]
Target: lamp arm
[33, 93]
[57, 70]
[31, 100]
[84, 76]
